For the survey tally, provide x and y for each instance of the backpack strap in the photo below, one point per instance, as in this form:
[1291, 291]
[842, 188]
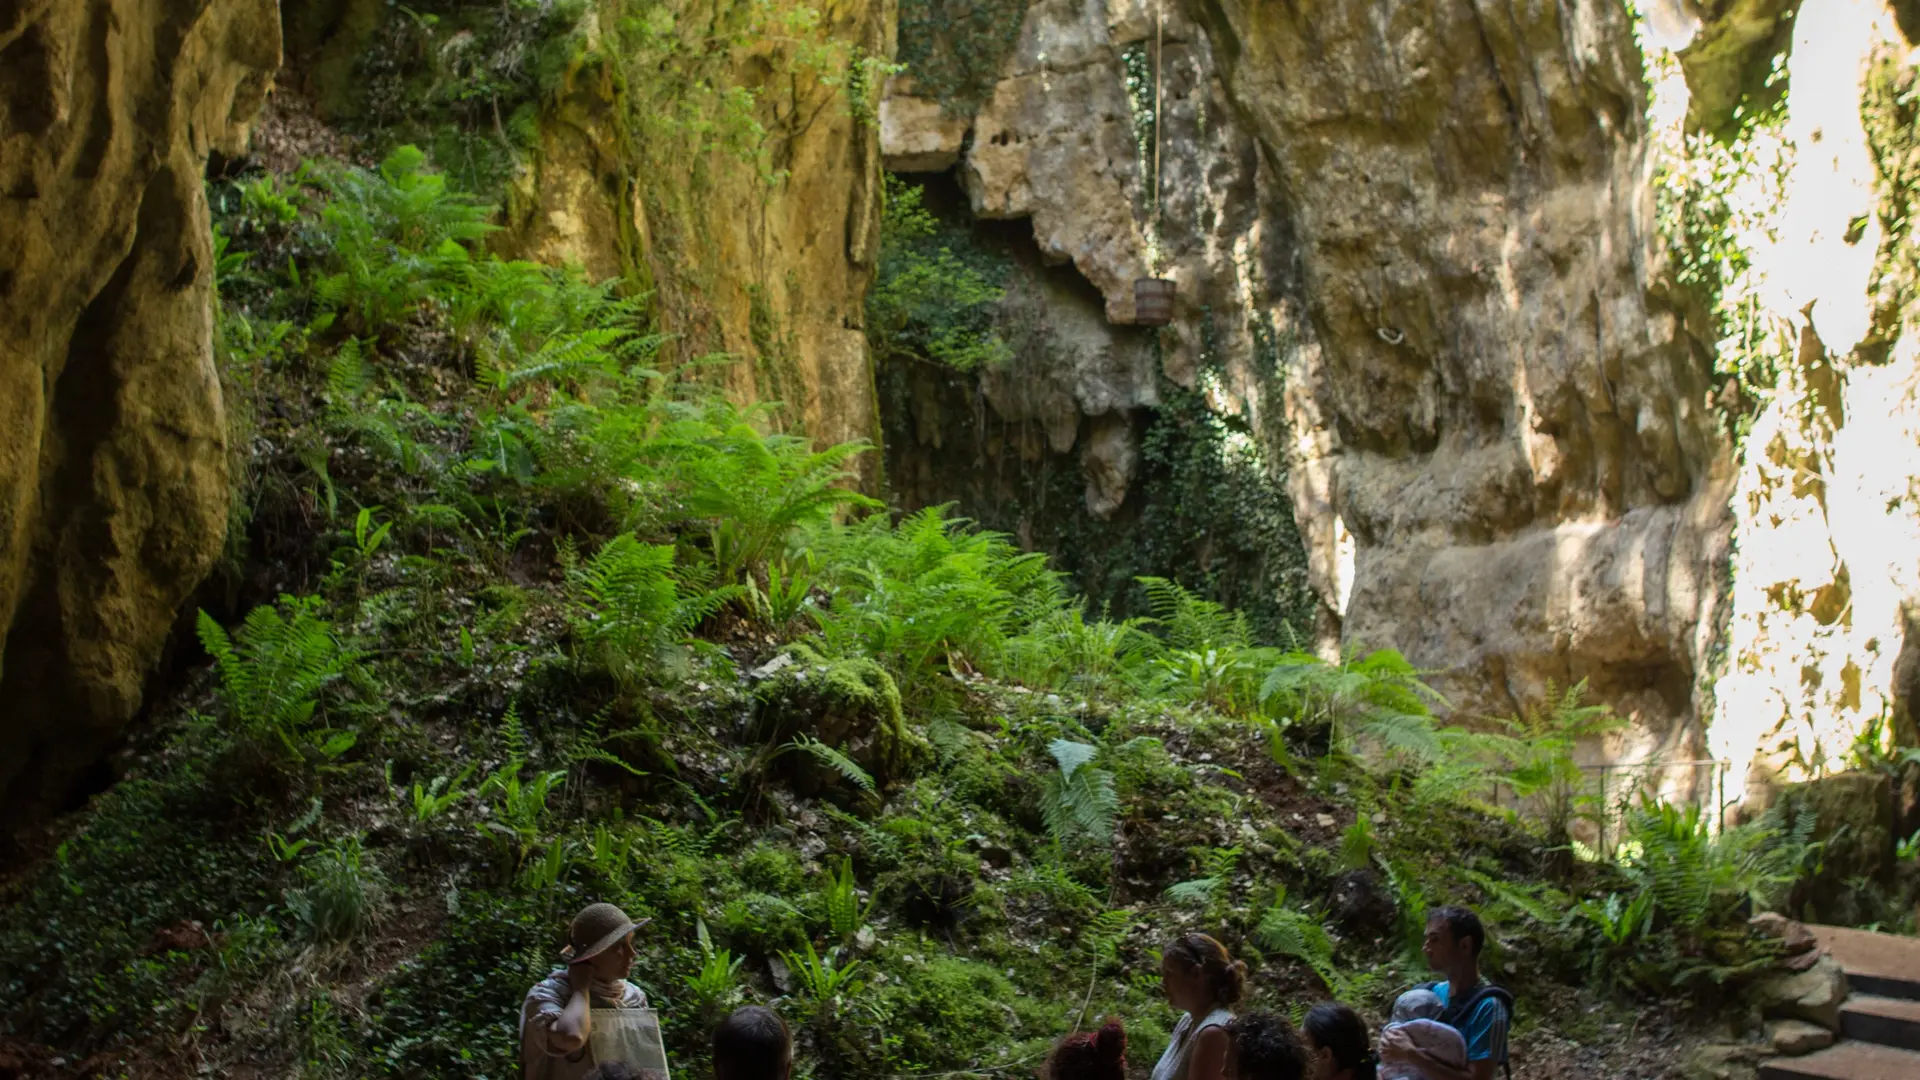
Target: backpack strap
[1459, 1012]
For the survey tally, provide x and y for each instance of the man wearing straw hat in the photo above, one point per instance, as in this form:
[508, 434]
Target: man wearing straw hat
[556, 1021]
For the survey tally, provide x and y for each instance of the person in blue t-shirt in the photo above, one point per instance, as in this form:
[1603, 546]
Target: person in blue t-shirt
[1479, 1010]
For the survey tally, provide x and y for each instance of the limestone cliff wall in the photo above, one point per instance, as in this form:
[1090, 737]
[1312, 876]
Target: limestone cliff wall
[113, 458]
[758, 242]
[1416, 253]
[1507, 411]
[1822, 656]
[1062, 149]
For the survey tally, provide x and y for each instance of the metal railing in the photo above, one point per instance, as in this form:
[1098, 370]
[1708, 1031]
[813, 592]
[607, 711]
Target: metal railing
[1616, 787]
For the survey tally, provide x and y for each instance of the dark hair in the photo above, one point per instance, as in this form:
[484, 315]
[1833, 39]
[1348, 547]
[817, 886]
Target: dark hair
[1464, 925]
[613, 1070]
[1337, 1028]
[1266, 1047]
[752, 1044]
[1226, 977]
[1091, 1055]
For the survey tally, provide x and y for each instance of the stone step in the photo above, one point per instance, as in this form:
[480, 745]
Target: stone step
[1884, 1020]
[1882, 964]
[1846, 1061]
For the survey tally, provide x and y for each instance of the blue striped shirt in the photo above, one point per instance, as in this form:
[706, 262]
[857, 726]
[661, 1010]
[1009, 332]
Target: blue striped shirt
[1485, 1031]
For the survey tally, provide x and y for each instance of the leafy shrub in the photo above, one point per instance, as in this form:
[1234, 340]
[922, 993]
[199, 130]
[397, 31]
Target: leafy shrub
[750, 491]
[1699, 879]
[928, 593]
[633, 610]
[928, 303]
[1062, 649]
[1376, 698]
[394, 238]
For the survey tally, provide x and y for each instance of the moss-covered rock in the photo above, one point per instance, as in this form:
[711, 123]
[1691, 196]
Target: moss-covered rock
[851, 706]
[1854, 819]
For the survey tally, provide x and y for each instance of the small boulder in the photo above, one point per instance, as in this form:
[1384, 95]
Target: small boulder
[1813, 995]
[1793, 1038]
[847, 710]
[1361, 904]
[1793, 937]
[1721, 1061]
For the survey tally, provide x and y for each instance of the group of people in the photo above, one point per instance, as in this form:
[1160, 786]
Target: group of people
[1451, 1029]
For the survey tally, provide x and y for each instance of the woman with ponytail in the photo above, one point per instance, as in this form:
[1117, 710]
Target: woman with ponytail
[1338, 1046]
[1203, 982]
[1091, 1055]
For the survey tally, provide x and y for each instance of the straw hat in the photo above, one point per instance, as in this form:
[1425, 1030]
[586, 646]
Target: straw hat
[595, 930]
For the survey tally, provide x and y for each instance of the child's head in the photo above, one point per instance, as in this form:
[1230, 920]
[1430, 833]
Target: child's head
[1264, 1046]
[1091, 1055]
[1417, 1005]
[752, 1044]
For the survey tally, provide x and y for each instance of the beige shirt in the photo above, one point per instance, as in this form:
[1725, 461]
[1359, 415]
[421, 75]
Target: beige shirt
[544, 1004]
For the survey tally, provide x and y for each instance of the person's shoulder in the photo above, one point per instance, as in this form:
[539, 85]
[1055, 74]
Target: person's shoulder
[552, 988]
[633, 998]
[1490, 1008]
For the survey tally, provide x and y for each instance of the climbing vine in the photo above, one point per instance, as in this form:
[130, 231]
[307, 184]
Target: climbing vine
[1717, 196]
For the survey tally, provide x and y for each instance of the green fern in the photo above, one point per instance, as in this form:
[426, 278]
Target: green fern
[1376, 698]
[840, 902]
[1192, 623]
[833, 759]
[1216, 870]
[278, 668]
[633, 610]
[1102, 935]
[1079, 803]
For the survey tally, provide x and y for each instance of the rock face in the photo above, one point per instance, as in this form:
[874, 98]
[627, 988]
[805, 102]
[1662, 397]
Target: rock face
[760, 249]
[1064, 146]
[113, 456]
[1505, 410]
[1825, 593]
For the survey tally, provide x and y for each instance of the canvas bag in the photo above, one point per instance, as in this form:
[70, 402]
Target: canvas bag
[631, 1036]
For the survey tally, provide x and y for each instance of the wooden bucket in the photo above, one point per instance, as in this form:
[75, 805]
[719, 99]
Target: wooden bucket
[1152, 301]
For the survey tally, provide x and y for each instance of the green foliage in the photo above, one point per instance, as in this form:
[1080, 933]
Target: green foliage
[1377, 698]
[1294, 933]
[519, 808]
[1079, 802]
[1699, 879]
[752, 491]
[634, 610]
[276, 671]
[934, 299]
[822, 980]
[340, 894]
[840, 902]
[436, 797]
[1062, 649]
[784, 597]
[715, 985]
[394, 238]
[833, 759]
[1538, 762]
[928, 592]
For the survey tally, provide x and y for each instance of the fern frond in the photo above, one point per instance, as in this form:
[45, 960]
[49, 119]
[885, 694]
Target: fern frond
[834, 760]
